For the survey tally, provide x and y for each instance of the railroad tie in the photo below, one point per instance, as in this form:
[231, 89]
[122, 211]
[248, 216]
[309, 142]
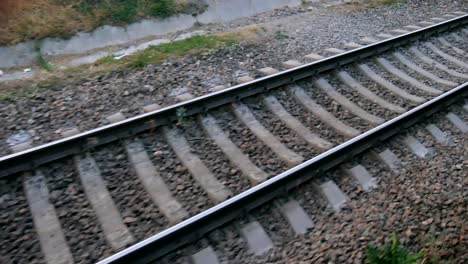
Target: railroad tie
[257, 239]
[117, 117]
[205, 256]
[413, 27]
[247, 117]
[295, 125]
[267, 71]
[436, 64]
[440, 136]
[47, 225]
[465, 107]
[355, 85]
[346, 103]
[297, 218]
[313, 57]
[456, 37]
[234, 154]
[217, 88]
[109, 217]
[244, 79]
[399, 31]
[446, 56]
[401, 58]
[70, 132]
[449, 16]
[445, 43]
[390, 160]
[383, 36]
[215, 189]
[334, 51]
[153, 182]
[417, 147]
[352, 45]
[334, 195]
[368, 72]
[290, 64]
[405, 77]
[326, 117]
[368, 40]
[151, 108]
[363, 176]
[457, 122]
[426, 23]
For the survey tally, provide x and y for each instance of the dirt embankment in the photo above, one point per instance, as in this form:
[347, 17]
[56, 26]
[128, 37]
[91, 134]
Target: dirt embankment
[36, 19]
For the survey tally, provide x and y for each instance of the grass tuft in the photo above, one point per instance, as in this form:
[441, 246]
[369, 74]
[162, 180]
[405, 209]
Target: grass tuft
[43, 63]
[392, 253]
[189, 46]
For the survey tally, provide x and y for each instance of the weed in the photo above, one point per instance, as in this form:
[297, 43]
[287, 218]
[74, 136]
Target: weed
[43, 63]
[391, 253]
[181, 114]
[163, 8]
[280, 35]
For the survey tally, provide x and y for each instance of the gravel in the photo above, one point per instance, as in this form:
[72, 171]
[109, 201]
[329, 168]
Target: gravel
[379, 90]
[20, 243]
[310, 121]
[213, 157]
[85, 102]
[177, 178]
[79, 223]
[136, 207]
[425, 205]
[333, 107]
[247, 142]
[286, 136]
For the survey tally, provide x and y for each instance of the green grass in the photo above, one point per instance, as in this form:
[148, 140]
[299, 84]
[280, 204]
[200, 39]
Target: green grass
[155, 54]
[43, 63]
[392, 253]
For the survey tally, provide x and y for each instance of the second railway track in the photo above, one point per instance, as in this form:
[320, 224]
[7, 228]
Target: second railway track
[98, 192]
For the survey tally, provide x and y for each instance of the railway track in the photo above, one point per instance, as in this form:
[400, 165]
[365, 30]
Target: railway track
[184, 170]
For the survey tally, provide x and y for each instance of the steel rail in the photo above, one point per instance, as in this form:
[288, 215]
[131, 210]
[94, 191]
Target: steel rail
[36, 156]
[195, 227]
